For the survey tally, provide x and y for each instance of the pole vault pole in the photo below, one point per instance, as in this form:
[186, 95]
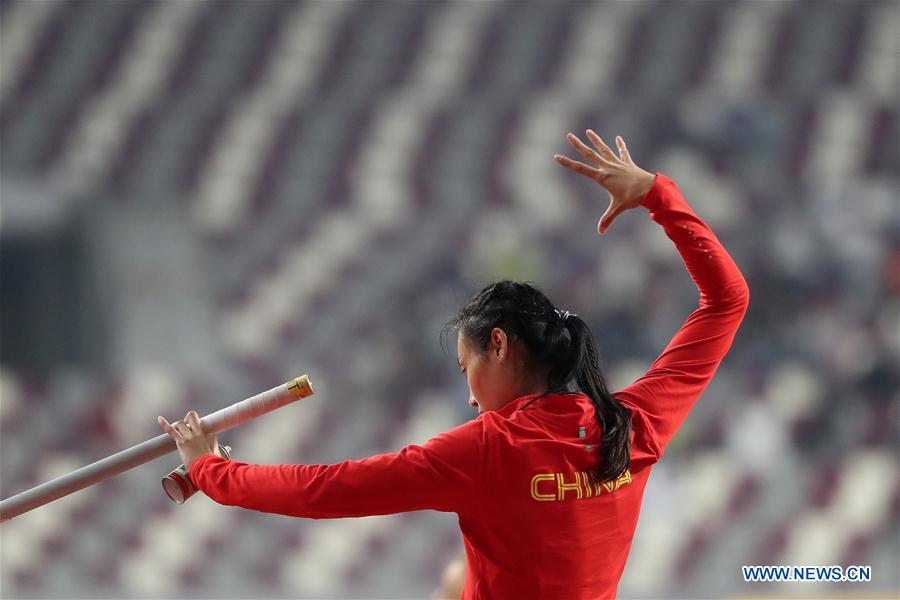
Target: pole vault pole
[222, 420]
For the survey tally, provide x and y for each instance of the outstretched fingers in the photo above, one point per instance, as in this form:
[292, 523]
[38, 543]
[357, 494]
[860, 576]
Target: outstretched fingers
[623, 150]
[594, 173]
[605, 151]
[585, 150]
[613, 211]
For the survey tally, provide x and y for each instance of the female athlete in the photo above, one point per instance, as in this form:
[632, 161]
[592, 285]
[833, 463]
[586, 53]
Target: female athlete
[547, 481]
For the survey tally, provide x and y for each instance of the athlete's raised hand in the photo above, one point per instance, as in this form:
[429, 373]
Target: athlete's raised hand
[626, 183]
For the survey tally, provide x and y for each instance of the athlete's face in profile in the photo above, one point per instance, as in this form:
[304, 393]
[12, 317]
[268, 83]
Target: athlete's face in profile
[488, 371]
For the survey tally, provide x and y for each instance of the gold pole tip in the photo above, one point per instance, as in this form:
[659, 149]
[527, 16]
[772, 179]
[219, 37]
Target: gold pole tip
[300, 387]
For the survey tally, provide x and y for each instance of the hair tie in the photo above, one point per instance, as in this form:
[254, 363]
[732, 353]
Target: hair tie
[564, 314]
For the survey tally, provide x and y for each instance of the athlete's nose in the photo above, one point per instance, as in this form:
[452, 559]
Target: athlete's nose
[472, 402]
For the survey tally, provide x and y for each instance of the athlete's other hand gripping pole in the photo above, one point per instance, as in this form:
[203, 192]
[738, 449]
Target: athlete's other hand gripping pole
[190, 438]
[103, 469]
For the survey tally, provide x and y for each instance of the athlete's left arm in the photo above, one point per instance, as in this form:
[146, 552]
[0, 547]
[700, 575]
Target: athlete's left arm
[442, 474]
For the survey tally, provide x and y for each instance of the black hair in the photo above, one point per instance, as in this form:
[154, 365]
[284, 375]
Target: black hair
[557, 342]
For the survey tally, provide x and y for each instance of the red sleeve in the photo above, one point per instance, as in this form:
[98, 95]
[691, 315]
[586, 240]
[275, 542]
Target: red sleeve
[441, 474]
[668, 391]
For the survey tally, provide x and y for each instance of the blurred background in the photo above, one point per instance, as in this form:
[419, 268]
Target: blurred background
[202, 200]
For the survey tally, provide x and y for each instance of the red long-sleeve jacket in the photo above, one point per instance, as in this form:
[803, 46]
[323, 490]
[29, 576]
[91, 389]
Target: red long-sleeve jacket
[532, 523]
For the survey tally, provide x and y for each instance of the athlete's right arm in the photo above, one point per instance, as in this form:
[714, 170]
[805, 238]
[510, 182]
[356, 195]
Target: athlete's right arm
[668, 391]
[442, 474]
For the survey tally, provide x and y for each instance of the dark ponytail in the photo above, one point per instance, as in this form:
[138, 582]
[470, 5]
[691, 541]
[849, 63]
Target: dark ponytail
[558, 342]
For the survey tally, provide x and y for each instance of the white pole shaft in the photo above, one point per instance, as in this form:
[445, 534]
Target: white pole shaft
[103, 469]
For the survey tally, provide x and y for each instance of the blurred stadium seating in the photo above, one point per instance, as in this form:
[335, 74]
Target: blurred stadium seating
[246, 191]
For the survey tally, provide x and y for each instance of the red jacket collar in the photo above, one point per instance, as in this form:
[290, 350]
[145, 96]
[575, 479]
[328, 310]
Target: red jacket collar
[510, 408]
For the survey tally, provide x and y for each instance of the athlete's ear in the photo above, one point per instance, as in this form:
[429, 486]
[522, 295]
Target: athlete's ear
[499, 346]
